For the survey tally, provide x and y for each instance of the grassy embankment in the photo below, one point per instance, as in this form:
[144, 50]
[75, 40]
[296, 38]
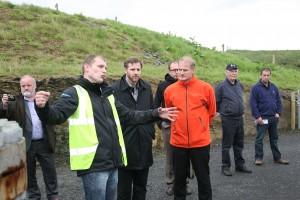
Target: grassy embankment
[40, 41]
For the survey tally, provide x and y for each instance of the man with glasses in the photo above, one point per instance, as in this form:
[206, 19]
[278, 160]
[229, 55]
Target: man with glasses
[170, 78]
[190, 130]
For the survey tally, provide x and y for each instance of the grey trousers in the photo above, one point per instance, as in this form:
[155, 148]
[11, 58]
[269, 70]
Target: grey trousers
[169, 159]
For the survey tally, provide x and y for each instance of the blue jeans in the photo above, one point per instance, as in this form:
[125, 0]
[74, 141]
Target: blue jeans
[272, 128]
[100, 185]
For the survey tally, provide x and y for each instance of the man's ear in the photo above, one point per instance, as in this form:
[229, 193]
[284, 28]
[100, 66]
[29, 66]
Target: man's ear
[86, 67]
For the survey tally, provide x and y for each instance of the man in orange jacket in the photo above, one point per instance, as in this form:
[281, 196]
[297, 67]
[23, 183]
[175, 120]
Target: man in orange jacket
[190, 132]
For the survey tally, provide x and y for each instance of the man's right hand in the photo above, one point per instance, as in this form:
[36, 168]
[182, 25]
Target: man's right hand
[41, 98]
[5, 100]
[259, 121]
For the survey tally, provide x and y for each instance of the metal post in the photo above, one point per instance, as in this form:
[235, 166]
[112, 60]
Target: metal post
[298, 103]
[293, 110]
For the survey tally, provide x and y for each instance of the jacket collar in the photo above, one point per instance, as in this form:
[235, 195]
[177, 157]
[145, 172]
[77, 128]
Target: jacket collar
[260, 83]
[228, 81]
[169, 78]
[188, 83]
[95, 87]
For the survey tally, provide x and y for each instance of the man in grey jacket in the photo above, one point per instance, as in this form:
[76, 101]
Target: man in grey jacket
[230, 105]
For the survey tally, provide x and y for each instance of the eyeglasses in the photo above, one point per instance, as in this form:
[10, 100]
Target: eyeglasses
[174, 70]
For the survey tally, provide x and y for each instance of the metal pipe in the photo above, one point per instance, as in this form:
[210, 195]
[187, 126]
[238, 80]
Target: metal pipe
[298, 103]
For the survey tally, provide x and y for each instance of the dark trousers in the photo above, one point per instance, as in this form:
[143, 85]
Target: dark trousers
[132, 184]
[200, 162]
[233, 135]
[39, 150]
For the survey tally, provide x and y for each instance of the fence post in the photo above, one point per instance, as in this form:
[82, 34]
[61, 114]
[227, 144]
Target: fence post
[293, 110]
[298, 104]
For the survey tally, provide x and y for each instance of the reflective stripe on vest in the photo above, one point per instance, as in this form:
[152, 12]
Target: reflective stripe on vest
[83, 139]
[120, 134]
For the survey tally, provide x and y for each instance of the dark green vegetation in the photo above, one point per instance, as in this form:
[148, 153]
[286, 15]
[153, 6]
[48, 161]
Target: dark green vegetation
[40, 41]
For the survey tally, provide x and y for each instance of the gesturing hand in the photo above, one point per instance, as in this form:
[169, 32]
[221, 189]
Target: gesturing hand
[41, 98]
[168, 113]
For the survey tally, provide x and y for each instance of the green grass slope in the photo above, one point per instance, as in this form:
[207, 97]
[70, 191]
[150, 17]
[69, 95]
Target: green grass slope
[281, 57]
[41, 41]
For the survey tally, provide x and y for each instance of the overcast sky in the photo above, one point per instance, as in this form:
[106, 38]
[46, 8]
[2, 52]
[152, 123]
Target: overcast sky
[238, 24]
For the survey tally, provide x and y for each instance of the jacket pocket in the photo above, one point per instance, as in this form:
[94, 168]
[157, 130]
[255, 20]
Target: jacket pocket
[202, 122]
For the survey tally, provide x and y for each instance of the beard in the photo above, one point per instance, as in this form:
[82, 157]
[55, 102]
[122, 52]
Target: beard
[27, 94]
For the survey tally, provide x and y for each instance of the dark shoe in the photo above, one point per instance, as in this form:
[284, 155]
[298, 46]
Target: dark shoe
[226, 172]
[282, 161]
[258, 162]
[188, 190]
[170, 191]
[243, 169]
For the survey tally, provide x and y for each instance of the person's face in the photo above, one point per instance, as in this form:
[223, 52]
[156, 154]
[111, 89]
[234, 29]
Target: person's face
[133, 72]
[173, 71]
[265, 76]
[96, 72]
[28, 87]
[232, 74]
[185, 72]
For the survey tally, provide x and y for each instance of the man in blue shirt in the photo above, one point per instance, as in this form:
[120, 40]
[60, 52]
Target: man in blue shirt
[266, 108]
[40, 139]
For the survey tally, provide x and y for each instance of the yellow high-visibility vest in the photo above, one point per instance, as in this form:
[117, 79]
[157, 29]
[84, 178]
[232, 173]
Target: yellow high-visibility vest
[83, 139]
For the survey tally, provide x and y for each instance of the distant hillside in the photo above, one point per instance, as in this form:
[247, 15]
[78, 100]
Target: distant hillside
[45, 42]
[280, 57]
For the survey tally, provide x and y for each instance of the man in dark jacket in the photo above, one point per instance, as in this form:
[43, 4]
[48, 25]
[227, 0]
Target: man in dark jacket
[266, 107]
[96, 141]
[40, 138]
[136, 94]
[230, 105]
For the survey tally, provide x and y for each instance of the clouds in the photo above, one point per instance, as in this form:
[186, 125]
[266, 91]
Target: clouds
[239, 24]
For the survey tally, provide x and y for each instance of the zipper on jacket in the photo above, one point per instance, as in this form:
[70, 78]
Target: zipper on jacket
[112, 138]
[187, 120]
[202, 122]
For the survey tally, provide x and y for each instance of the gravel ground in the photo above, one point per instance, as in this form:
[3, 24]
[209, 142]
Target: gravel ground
[269, 181]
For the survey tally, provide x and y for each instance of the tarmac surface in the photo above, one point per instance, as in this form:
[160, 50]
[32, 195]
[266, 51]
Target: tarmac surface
[268, 181]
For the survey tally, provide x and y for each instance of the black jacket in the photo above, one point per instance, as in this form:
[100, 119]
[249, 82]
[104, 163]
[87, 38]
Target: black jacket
[159, 100]
[138, 138]
[108, 154]
[16, 112]
[229, 99]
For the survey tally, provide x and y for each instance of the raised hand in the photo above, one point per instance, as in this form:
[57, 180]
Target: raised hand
[41, 98]
[168, 113]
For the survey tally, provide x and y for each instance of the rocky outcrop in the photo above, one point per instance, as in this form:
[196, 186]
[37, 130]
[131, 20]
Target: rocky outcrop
[56, 85]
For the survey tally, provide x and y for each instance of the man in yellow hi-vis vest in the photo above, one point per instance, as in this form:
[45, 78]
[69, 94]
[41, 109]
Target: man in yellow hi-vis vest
[96, 142]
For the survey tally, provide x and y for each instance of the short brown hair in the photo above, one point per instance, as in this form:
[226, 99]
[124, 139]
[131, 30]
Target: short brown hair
[132, 60]
[170, 63]
[267, 69]
[90, 60]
